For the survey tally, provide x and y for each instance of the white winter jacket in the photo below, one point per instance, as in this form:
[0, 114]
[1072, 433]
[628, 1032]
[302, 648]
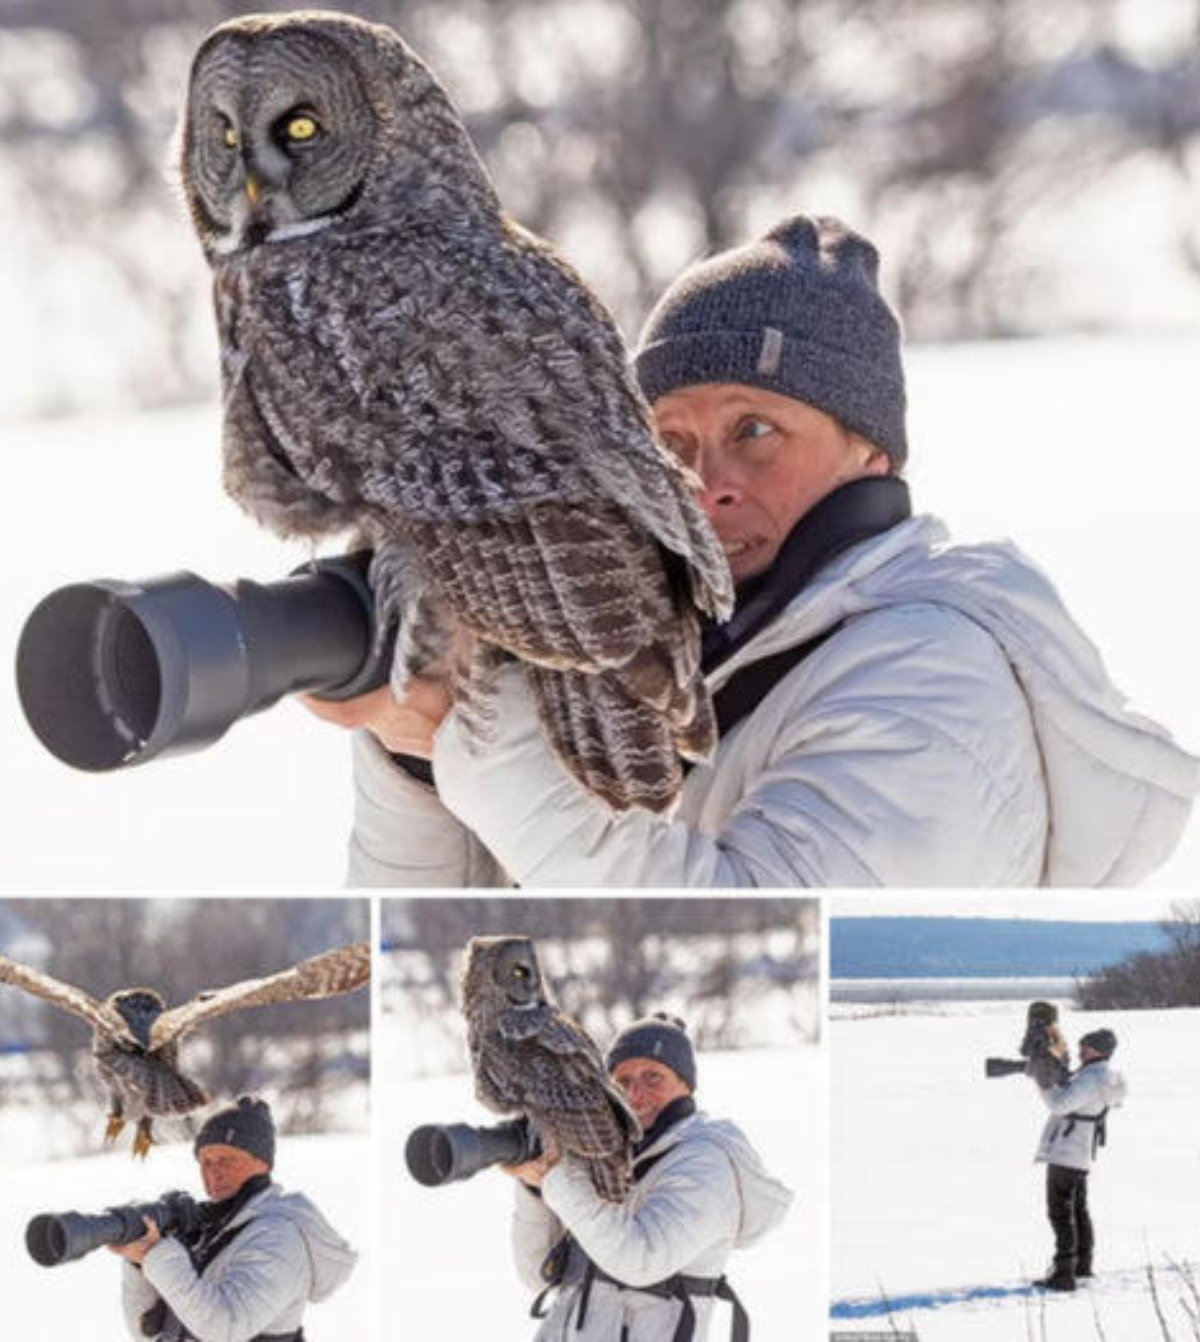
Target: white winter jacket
[286, 1256]
[958, 729]
[708, 1195]
[1071, 1141]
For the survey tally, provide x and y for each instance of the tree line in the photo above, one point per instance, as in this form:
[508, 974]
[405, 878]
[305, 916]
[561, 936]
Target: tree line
[1152, 979]
[638, 136]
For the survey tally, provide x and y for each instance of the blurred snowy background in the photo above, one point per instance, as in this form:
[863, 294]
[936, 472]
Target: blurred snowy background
[742, 973]
[1031, 173]
[939, 1222]
[309, 1060]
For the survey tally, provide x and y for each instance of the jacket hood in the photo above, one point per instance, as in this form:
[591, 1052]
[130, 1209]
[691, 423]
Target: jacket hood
[764, 1199]
[330, 1257]
[1118, 787]
[1107, 1084]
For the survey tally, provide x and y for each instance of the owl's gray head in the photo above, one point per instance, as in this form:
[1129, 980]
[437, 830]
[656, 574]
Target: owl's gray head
[503, 970]
[297, 122]
[139, 1008]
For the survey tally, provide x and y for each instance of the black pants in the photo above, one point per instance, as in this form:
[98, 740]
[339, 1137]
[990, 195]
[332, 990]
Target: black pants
[1066, 1206]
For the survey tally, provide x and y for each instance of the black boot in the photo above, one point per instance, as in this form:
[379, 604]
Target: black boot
[1061, 1279]
[1083, 1268]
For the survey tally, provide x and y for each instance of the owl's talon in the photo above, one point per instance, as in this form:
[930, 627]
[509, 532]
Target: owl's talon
[142, 1143]
[114, 1128]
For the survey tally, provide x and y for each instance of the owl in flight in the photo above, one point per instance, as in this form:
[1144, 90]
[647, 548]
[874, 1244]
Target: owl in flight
[135, 1036]
[530, 1058]
[402, 360]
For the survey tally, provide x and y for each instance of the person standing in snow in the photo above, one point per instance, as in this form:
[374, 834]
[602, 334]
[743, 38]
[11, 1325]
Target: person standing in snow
[1074, 1132]
[652, 1268]
[258, 1256]
[894, 710]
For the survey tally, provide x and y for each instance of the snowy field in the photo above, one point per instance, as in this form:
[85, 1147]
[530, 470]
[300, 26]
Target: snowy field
[1081, 450]
[939, 1207]
[450, 1245]
[81, 1300]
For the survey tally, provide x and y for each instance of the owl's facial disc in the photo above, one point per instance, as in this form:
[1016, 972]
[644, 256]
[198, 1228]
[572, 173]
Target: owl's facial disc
[279, 139]
[518, 977]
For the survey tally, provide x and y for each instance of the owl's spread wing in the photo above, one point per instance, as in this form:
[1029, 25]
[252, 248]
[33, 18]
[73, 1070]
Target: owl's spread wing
[66, 996]
[333, 972]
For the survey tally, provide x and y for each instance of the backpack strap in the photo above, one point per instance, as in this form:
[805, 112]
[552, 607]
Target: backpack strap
[1099, 1132]
[746, 689]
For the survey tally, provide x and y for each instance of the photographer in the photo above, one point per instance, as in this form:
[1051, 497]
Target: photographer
[641, 1270]
[256, 1258]
[908, 712]
[1074, 1132]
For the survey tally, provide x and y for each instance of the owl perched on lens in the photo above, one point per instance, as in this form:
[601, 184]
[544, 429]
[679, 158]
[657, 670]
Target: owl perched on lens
[135, 1036]
[530, 1058]
[402, 360]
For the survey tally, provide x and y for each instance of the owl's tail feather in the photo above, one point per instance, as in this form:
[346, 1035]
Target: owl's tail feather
[609, 1178]
[622, 749]
[173, 1093]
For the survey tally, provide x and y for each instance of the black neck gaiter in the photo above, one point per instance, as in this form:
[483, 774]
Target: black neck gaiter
[214, 1220]
[672, 1113]
[852, 513]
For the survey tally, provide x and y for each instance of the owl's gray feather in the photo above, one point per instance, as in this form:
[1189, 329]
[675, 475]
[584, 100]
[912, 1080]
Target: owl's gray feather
[401, 359]
[530, 1058]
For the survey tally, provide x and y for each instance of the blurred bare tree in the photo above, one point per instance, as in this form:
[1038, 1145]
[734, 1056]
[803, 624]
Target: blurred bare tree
[306, 1053]
[638, 136]
[1153, 980]
[724, 965]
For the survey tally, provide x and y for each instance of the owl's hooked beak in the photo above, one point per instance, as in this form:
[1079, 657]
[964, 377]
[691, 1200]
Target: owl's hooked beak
[253, 190]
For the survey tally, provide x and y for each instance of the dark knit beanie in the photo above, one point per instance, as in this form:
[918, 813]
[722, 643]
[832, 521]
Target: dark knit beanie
[798, 312]
[248, 1125]
[660, 1037]
[1103, 1042]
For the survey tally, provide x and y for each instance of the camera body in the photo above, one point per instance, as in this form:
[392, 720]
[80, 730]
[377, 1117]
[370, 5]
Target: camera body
[62, 1237]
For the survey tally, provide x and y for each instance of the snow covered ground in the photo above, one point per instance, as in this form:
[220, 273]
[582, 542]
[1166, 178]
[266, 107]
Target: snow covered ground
[81, 1300]
[937, 1204]
[450, 1245]
[1081, 450]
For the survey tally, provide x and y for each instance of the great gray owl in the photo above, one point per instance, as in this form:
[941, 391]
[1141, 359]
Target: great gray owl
[401, 359]
[135, 1038]
[530, 1058]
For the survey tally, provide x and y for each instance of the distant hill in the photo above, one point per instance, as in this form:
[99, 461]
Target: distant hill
[864, 948]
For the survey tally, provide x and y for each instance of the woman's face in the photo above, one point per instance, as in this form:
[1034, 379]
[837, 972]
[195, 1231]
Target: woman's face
[649, 1087]
[764, 461]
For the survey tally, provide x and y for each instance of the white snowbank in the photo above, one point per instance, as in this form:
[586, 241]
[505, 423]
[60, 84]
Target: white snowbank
[1081, 450]
[934, 1188]
[81, 1300]
[450, 1245]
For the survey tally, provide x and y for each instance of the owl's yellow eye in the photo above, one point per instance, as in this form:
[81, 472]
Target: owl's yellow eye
[301, 128]
[230, 137]
[520, 972]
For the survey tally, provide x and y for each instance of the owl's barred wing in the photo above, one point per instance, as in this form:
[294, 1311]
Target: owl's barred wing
[343, 970]
[547, 1027]
[65, 995]
[588, 362]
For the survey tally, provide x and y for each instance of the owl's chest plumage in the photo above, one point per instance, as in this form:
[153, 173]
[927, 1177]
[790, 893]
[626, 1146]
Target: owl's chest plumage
[411, 375]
